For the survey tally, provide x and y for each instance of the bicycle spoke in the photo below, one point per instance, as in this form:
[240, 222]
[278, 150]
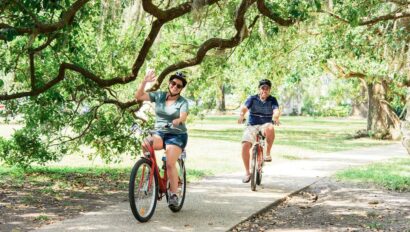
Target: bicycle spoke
[143, 191]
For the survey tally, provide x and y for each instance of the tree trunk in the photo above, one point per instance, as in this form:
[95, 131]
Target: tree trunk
[370, 106]
[405, 125]
[382, 121]
[221, 104]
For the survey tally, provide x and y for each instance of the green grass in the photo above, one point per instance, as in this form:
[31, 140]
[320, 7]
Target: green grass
[194, 175]
[42, 218]
[375, 226]
[393, 175]
[319, 134]
[52, 179]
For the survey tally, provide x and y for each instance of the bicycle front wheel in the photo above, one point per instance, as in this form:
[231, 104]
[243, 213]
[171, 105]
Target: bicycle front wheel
[254, 167]
[143, 190]
[181, 186]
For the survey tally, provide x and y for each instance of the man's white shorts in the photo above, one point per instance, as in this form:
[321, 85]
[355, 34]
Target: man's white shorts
[249, 134]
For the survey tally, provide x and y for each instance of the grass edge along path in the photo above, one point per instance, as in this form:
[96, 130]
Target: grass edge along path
[392, 175]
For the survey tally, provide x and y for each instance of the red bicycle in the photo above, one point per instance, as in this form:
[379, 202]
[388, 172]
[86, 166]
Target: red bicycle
[148, 183]
[258, 156]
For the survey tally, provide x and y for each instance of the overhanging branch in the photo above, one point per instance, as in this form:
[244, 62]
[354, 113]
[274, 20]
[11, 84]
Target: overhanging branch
[273, 16]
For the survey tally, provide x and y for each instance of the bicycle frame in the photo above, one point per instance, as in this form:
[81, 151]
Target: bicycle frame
[257, 160]
[260, 143]
[149, 153]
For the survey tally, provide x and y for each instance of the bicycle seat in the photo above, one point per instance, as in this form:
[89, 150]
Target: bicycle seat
[261, 135]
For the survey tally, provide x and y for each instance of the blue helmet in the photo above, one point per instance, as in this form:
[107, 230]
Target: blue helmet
[180, 76]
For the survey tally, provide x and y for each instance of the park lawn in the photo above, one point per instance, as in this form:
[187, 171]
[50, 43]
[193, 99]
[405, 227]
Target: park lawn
[317, 134]
[94, 179]
[393, 175]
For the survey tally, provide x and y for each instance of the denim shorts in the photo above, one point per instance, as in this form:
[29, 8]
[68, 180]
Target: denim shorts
[179, 140]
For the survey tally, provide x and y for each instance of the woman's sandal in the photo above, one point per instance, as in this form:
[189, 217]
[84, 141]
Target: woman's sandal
[246, 179]
[268, 159]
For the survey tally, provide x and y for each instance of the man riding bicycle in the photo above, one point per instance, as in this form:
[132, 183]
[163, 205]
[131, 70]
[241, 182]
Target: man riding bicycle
[170, 107]
[262, 108]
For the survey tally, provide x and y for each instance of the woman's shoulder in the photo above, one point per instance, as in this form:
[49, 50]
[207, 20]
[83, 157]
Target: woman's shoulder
[160, 93]
[182, 99]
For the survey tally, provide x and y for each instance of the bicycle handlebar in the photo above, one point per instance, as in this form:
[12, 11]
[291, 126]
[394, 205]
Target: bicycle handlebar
[273, 122]
[135, 127]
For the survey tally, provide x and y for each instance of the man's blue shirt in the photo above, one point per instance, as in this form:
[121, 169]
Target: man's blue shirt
[260, 112]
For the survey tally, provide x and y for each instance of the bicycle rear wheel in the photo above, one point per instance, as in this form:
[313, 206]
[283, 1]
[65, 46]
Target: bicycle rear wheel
[143, 192]
[181, 186]
[254, 167]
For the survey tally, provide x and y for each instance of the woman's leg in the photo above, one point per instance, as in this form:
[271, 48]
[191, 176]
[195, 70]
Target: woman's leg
[157, 143]
[172, 152]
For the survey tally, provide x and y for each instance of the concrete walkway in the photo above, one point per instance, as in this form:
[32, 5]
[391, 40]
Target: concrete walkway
[218, 203]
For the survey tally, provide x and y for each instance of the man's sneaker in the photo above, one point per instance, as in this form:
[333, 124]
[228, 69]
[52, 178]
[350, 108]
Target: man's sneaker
[173, 200]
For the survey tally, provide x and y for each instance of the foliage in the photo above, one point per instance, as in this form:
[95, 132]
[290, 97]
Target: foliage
[77, 76]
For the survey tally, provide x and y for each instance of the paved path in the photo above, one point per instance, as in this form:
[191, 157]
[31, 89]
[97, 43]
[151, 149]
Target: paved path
[220, 202]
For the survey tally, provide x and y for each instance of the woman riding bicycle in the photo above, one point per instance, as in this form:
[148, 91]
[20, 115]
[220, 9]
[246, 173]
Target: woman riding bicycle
[170, 107]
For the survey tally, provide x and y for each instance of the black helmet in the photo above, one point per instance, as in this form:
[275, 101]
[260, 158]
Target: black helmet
[180, 76]
[265, 82]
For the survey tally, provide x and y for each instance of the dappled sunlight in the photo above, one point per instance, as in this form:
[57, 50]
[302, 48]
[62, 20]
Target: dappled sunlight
[87, 228]
[34, 215]
[296, 230]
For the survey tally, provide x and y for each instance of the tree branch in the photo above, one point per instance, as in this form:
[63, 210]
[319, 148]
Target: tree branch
[87, 128]
[66, 19]
[273, 16]
[391, 16]
[211, 44]
[172, 13]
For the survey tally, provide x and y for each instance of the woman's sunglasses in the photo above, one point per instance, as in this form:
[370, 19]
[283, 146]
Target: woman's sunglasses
[173, 83]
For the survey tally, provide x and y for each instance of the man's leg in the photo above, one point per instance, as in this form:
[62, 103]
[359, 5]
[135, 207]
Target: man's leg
[270, 138]
[246, 146]
[247, 141]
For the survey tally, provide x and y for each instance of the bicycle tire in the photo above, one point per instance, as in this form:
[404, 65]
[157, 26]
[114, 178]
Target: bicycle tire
[142, 169]
[181, 186]
[254, 168]
[259, 177]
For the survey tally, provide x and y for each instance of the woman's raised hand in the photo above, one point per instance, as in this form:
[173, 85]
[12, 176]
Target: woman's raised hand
[150, 76]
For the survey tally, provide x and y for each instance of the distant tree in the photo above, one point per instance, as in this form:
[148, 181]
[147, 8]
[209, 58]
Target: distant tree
[370, 42]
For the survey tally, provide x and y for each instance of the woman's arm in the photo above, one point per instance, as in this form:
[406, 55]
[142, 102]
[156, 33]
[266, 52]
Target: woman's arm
[181, 120]
[140, 94]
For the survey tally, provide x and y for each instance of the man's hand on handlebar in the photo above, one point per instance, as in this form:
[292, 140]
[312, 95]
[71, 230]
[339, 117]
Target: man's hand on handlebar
[241, 119]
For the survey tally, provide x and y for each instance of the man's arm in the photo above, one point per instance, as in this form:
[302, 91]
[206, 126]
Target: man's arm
[242, 113]
[276, 114]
